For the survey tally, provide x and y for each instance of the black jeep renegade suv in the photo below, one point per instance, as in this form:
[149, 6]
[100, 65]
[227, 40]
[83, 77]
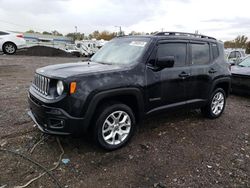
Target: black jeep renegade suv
[127, 79]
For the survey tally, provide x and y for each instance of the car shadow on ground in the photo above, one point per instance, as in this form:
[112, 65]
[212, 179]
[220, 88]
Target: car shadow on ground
[85, 143]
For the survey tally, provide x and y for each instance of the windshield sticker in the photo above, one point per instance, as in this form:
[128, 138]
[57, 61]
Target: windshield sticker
[138, 43]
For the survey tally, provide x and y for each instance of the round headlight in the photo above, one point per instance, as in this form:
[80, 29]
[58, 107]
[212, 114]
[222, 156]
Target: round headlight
[59, 87]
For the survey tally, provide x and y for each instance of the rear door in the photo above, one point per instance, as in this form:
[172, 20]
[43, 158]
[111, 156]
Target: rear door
[202, 70]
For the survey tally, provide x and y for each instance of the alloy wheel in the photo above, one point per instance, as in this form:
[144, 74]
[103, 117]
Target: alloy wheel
[116, 127]
[217, 104]
[10, 48]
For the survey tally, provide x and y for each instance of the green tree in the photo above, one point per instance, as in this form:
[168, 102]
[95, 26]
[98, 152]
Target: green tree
[30, 31]
[95, 34]
[240, 41]
[229, 44]
[106, 35]
[248, 48]
[56, 33]
[153, 33]
[76, 36]
[46, 33]
[90, 36]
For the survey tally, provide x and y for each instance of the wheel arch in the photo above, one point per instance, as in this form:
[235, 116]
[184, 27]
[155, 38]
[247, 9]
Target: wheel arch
[132, 97]
[224, 83]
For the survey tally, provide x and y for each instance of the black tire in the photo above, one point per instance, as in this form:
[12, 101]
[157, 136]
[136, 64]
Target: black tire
[104, 112]
[6, 48]
[208, 111]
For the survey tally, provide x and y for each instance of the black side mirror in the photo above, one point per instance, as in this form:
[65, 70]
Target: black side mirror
[165, 62]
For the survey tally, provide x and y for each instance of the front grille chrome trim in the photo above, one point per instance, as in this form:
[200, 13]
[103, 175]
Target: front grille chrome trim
[41, 84]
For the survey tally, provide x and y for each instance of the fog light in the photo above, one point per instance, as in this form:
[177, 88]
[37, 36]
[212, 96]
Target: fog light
[56, 123]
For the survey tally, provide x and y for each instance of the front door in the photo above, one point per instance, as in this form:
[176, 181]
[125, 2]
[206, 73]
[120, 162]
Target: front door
[174, 79]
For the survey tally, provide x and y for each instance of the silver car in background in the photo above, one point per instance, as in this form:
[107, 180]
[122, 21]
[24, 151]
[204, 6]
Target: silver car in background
[235, 56]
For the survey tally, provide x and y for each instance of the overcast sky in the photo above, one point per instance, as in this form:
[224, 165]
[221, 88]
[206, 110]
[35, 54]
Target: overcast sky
[223, 19]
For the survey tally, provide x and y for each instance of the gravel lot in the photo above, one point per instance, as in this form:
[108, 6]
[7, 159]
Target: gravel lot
[171, 150]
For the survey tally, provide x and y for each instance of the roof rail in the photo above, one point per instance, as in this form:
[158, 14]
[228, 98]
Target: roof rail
[167, 33]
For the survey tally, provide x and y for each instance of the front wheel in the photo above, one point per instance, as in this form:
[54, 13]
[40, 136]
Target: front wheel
[114, 126]
[216, 104]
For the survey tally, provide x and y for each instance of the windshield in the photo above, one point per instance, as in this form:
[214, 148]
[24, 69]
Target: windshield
[245, 62]
[121, 51]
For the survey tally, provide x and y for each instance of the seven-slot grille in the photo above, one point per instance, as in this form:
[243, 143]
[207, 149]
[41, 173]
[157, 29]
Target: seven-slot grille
[41, 84]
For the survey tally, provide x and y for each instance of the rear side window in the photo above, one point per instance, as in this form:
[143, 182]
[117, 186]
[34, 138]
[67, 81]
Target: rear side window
[178, 50]
[237, 54]
[200, 54]
[3, 33]
[215, 51]
[232, 55]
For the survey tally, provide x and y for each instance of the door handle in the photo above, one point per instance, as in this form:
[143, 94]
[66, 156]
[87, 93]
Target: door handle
[212, 70]
[184, 75]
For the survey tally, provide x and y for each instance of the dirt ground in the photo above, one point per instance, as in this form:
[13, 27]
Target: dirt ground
[171, 150]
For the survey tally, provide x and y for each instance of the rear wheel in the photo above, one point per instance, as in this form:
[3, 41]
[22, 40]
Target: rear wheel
[216, 104]
[9, 48]
[114, 126]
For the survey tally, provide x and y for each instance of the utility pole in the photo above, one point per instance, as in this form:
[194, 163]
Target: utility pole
[76, 32]
[120, 30]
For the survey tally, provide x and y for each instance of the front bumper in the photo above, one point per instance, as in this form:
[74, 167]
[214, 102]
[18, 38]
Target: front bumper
[54, 120]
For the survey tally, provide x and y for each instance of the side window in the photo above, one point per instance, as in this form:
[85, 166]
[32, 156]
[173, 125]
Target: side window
[3, 33]
[232, 55]
[178, 50]
[215, 51]
[237, 54]
[200, 54]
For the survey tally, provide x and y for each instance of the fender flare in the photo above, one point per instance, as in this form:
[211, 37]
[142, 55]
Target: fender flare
[97, 98]
[222, 80]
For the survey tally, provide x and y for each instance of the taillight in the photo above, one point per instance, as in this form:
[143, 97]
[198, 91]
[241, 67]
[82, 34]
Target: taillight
[19, 35]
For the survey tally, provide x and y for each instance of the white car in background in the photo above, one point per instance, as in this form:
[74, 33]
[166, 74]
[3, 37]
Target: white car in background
[235, 56]
[10, 42]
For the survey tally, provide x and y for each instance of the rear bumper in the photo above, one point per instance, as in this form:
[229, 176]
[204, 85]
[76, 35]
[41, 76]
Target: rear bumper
[55, 121]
